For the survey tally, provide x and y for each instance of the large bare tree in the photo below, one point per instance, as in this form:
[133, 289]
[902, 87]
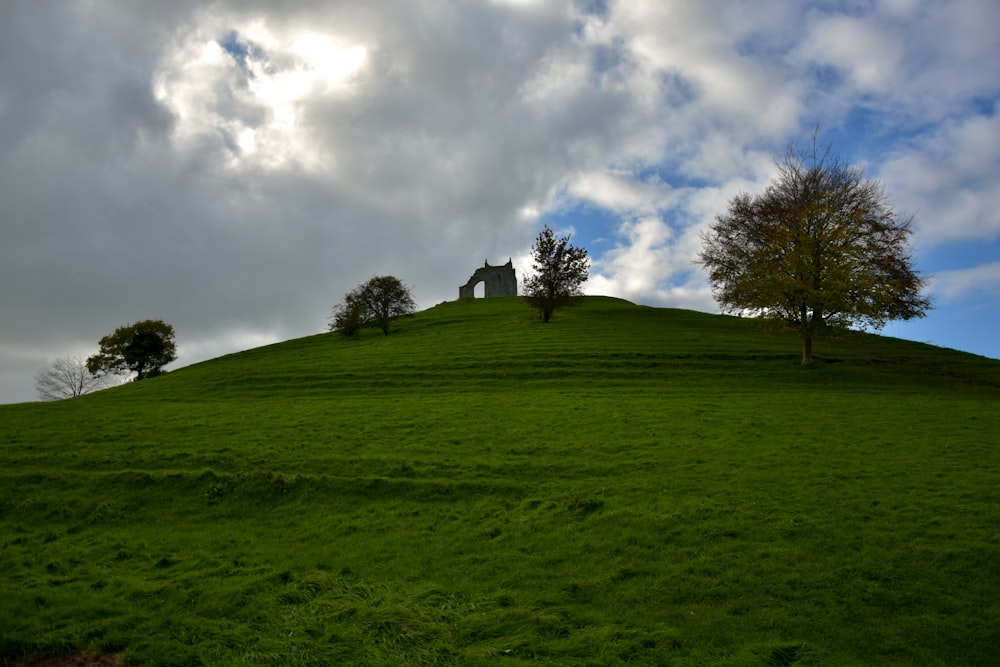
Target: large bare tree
[68, 377]
[820, 247]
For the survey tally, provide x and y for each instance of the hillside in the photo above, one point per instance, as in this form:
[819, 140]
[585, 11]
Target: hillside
[625, 485]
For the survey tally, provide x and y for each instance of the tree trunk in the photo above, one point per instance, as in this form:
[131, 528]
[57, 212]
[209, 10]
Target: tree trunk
[807, 349]
[805, 330]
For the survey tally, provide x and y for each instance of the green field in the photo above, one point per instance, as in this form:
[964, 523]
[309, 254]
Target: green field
[622, 486]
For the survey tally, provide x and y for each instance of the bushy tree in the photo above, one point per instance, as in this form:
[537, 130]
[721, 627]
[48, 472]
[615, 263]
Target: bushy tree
[375, 303]
[347, 316]
[559, 271]
[67, 377]
[143, 348]
[820, 247]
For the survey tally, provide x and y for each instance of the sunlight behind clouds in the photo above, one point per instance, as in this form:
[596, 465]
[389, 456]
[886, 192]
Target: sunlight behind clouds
[246, 91]
[329, 62]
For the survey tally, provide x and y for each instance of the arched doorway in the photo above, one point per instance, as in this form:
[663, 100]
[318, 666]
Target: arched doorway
[495, 281]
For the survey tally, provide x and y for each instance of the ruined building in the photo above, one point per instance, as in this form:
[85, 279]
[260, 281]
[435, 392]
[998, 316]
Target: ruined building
[500, 281]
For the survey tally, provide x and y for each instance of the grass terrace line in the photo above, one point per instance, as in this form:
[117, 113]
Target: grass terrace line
[624, 485]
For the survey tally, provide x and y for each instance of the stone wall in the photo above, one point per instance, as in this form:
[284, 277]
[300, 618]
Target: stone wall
[500, 281]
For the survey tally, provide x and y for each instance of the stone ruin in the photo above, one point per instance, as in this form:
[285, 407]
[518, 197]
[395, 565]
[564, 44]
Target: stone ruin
[500, 281]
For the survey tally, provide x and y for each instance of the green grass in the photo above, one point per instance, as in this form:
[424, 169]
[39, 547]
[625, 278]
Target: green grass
[622, 486]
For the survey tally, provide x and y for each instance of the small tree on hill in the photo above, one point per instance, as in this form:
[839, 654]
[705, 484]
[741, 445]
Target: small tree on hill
[820, 247]
[375, 303]
[347, 316]
[67, 377]
[560, 269]
[143, 348]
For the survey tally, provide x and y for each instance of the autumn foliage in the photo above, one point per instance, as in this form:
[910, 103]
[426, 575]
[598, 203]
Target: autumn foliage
[820, 247]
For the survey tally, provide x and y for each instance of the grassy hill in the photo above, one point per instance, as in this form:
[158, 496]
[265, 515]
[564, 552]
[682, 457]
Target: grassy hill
[625, 485]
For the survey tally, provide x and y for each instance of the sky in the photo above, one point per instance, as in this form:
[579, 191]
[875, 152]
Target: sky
[235, 167]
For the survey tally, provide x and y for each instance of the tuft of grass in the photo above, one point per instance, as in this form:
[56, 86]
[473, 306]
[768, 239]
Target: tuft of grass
[624, 485]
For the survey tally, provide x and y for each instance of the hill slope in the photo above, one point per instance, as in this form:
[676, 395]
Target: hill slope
[625, 485]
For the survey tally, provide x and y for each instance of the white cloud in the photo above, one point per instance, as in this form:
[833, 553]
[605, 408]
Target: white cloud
[715, 65]
[652, 259]
[653, 264]
[967, 283]
[866, 54]
[949, 178]
[620, 192]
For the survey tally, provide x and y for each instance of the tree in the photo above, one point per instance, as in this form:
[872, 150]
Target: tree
[67, 377]
[375, 303]
[347, 314]
[559, 269]
[143, 348]
[821, 247]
